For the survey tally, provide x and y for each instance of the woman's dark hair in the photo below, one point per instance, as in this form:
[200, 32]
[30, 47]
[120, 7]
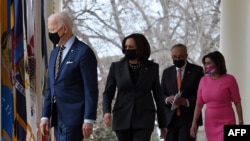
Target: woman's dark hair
[143, 47]
[218, 60]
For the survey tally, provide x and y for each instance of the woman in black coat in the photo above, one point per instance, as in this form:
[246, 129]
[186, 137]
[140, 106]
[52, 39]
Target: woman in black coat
[135, 81]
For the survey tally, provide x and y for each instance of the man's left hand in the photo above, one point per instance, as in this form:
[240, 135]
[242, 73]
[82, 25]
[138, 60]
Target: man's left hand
[87, 129]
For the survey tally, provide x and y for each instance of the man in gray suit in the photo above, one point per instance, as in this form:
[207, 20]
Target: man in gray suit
[70, 100]
[179, 120]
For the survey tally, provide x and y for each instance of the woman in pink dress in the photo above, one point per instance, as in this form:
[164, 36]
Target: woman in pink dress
[217, 90]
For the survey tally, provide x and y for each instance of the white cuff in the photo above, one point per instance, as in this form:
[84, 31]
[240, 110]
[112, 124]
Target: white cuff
[188, 104]
[44, 118]
[89, 121]
[166, 101]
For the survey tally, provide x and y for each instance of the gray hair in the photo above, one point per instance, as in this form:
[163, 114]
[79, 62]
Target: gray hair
[62, 18]
[179, 45]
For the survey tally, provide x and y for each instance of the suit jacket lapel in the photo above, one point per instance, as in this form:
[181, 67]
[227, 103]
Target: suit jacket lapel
[125, 74]
[69, 55]
[186, 75]
[67, 58]
[143, 72]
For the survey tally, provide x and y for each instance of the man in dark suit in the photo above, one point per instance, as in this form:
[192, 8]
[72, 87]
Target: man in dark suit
[179, 120]
[70, 100]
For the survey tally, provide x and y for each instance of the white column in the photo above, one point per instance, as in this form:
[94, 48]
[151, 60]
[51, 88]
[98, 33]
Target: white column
[234, 44]
[50, 6]
[247, 94]
[57, 5]
[48, 10]
[39, 67]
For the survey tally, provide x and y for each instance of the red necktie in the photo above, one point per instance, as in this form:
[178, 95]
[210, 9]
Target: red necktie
[179, 77]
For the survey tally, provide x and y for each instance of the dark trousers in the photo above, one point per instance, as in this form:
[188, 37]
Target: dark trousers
[180, 134]
[134, 134]
[179, 131]
[68, 133]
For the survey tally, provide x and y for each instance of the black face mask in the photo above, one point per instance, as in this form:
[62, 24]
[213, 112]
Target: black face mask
[179, 63]
[54, 37]
[130, 54]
